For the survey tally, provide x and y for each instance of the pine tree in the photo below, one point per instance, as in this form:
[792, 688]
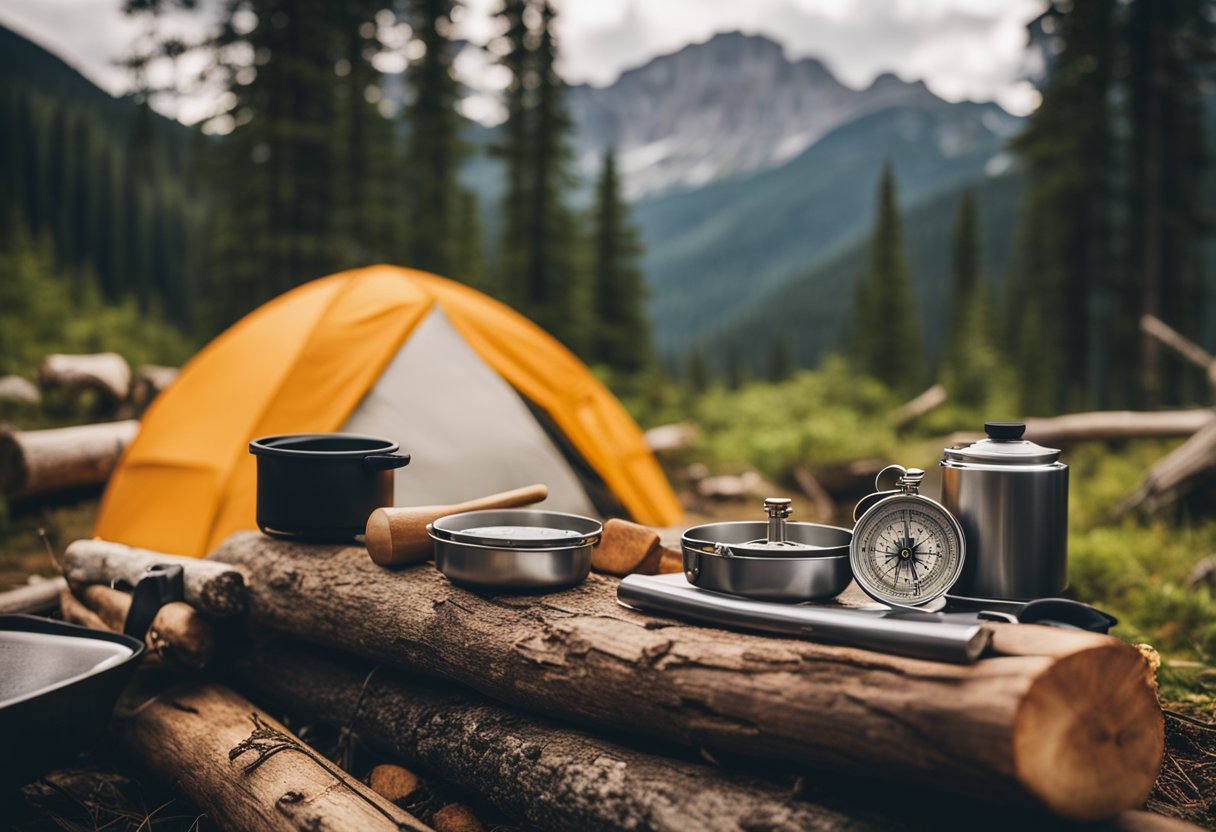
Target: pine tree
[886, 317]
[697, 371]
[622, 334]
[434, 149]
[541, 241]
[965, 276]
[780, 358]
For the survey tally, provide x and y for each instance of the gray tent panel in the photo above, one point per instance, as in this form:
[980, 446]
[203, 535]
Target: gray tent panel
[468, 430]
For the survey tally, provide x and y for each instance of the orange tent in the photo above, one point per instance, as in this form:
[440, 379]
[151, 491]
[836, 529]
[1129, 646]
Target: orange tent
[481, 397]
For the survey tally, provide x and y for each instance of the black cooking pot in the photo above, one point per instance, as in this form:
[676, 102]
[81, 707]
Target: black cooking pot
[323, 486]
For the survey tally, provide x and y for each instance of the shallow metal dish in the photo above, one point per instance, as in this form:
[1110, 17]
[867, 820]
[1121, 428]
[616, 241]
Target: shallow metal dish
[515, 548]
[711, 563]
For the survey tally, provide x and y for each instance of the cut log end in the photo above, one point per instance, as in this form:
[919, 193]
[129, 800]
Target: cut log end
[1084, 747]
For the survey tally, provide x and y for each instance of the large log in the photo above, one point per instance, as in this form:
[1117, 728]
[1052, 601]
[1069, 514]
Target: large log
[38, 462]
[246, 770]
[210, 586]
[1069, 721]
[106, 372]
[1175, 474]
[553, 776]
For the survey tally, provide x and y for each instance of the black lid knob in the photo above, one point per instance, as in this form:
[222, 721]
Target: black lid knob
[1004, 431]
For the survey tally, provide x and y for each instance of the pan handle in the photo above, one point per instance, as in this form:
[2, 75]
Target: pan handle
[386, 462]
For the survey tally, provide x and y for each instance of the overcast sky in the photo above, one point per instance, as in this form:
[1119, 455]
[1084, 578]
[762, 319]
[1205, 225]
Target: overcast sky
[960, 48]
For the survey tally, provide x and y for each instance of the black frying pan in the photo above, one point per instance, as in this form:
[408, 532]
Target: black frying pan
[58, 687]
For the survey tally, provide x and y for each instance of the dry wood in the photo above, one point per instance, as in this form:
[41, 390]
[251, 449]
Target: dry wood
[74, 611]
[19, 390]
[1075, 727]
[150, 381]
[211, 586]
[825, 506]
[179, 634]
[670, 438]
[1110, 425]
[552, 775]
[34, 598]
[925, 403]
[1179, 343]
[106, 372]
[1175, 474]
[392, 782]
[37, 462]
[246, 770]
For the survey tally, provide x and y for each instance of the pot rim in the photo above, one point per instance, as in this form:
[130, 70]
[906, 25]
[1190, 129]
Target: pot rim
[377, 445]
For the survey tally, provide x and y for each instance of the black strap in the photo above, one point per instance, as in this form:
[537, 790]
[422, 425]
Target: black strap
[162, 583]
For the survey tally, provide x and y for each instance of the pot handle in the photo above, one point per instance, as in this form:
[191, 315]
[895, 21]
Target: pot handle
[386, 462]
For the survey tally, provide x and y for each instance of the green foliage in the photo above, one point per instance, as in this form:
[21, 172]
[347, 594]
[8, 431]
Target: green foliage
[45, 309]
[622, 335]
[886, 336]
[815, 418]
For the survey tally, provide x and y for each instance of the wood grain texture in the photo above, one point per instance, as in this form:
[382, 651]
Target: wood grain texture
[548, 774]
[38, 462]
[187, 736]
[210, 586]
[179, 634]
[578, 655]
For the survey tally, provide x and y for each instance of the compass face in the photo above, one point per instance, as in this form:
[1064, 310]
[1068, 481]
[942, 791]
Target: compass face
[907, 550]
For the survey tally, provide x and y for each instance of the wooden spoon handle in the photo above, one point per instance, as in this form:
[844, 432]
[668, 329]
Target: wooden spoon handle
[516, 498]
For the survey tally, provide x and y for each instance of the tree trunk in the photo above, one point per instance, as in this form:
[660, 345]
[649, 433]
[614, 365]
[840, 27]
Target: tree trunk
[107, 372]
[553, 776]
[210, 586]
[37, 462]
[247, 771]
[179, 634]
[1069, 722]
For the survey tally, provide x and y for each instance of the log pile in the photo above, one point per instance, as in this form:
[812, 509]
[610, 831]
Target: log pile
[34, 463]
[568, 711]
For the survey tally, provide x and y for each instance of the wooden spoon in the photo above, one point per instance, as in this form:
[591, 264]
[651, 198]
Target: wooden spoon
[396, 536]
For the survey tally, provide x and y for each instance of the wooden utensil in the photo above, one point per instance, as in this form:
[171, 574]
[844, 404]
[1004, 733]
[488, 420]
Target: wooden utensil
[628, 547]
[397, 536]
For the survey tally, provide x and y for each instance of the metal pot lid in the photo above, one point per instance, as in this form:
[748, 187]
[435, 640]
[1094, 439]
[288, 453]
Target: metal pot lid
[518, 529]
[1004, 446]
[775, 538]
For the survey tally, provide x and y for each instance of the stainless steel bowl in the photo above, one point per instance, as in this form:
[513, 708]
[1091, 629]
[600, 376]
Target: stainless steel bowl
[515, 548]
[712, 560]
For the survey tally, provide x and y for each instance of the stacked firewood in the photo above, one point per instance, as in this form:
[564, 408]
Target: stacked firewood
[568, 711]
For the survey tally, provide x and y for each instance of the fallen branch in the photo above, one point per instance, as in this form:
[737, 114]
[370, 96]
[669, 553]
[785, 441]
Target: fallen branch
[107, 372]
[19, 390]
[825, 506]
[1013, 728]
[39, 462]
[1179, 343]
[553, 776]
[670, 438]
[925, 403]
[210, 586]
[34, 598]
[1175, 475]
[1112, 425]
[246, 770]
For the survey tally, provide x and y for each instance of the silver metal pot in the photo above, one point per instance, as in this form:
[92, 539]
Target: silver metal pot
[515, 548]
[1011, 498]
[772, 561]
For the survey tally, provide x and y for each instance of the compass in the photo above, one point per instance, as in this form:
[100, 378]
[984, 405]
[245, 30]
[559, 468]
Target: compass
[907, 550]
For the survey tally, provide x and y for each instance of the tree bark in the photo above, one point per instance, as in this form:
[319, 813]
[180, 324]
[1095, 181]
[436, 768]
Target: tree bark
[1174, 475]
[246, 770]
[106, 372]
[551, 775]
[32, 599]
[150, 381]
[179, 634]
[1069, 722]
[38, 462]
[74, 611]
[212, 587]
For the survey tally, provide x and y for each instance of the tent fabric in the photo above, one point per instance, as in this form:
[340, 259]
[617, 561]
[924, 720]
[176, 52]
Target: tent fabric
[305, 361]
[483, 438]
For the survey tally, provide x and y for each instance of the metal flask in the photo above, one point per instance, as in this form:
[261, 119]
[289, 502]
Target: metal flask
[1011, 498]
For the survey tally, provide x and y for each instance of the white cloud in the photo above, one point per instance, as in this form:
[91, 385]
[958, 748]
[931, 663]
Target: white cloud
[960, 48]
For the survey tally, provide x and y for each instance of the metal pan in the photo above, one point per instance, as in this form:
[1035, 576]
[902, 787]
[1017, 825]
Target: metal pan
[515, 548]
[58, 686]
[721, 557]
